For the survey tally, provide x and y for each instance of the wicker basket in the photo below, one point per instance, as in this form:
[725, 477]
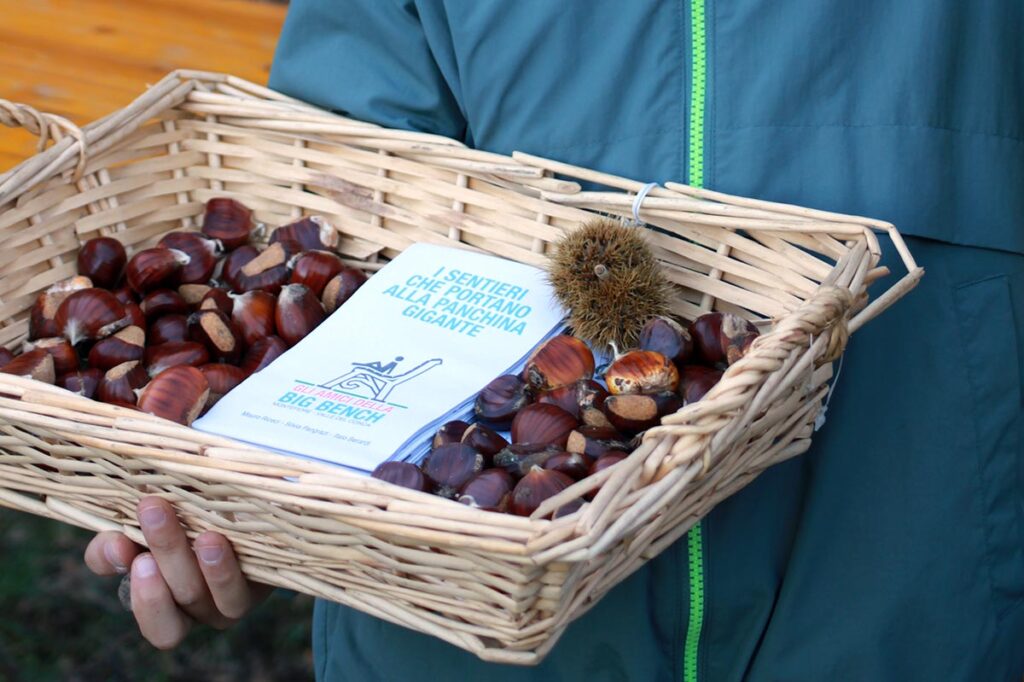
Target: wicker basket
[500, 586]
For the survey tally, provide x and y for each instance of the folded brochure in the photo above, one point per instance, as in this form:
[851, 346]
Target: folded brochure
[407, 352]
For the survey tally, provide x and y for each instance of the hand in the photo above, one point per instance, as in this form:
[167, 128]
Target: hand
[173, 586]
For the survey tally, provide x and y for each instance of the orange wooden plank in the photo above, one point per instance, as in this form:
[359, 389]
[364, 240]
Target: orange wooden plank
[85, 58]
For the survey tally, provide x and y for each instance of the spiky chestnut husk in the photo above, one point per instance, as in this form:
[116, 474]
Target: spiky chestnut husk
[606, 276]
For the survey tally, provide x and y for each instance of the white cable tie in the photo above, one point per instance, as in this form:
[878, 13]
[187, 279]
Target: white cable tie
[639, 199]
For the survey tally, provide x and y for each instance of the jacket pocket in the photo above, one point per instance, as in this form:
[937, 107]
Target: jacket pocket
[991, 355]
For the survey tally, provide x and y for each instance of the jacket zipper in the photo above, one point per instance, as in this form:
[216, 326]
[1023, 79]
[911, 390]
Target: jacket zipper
[695, 537]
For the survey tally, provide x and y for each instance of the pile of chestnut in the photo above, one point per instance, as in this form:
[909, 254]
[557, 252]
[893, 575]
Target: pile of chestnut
[175, 327]
[563, 424]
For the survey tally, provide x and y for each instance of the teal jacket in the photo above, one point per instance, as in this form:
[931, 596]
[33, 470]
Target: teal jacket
[894, 549]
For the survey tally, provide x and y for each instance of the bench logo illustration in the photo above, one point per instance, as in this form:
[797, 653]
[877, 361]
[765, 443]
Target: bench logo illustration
[377, 380]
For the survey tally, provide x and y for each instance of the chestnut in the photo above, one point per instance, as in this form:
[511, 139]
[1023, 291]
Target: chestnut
[519, 457]
[125, 294]
[574, 398]
[666, 336]
[449, 432]
[135, 315]
[227, 221]
[535, 487]
[42, 321]
[89, 314]
[221, 379]
[595, 442]
[102, 260]
[83, 382]
[341, 287]
[641, 371]
[559, 361]
[696, 381]
[267, 271]
[573, 464]
[563, 397]
[568, 508]
[298, 313]
[65, 358]
[499, 401]
[594, 416]
[214, 329]
[231, 270]
[202, 252]
[722, 337]
[631, 413]
[167, 329]
[36, 364]
[161, 302]
[119, 383]
[314, 269]
[253, 315]
[310, 233]
[177, 393]
[159, 358]
[544, 424]
[489, 490]
[262, 353]
[668, 402]
[218, 299]
[450, 466]
[486, 441]
[405, 474]
[154, 268]
[193, 294]
[610, 459]
[737, 336]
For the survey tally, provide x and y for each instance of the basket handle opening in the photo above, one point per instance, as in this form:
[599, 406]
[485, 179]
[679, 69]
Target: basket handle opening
[46, 127]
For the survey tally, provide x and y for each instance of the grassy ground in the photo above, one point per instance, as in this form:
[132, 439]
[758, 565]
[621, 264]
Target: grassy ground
[60, 622]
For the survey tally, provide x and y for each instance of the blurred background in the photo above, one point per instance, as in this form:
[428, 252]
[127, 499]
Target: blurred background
[82, 59]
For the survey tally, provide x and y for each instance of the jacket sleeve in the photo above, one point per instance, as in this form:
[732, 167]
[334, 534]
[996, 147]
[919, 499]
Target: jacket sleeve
[367, 59]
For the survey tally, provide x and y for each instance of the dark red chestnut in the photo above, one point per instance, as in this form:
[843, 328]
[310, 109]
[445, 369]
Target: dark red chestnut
[602, 463]
[641, 371]
[595, 442]
[167, 329]
[102, 260]
[518, 458]
[484, 440]
[65, 358]
[404, 474]
[315, 269]
[221, 379]
[298, 313]
[253, 315]
[490, 490]
[227, 221]
[135, 316]
[119, 383]
[177, 393]
[306, 234]
[36, 364]
[217, 332]
[450, 432]
[159, 358]
[202, 252]
[341, 287]
[262, 353]
[267, 271]
[499, 401]
[668, 402]
[125, 295]
[575, 398]
[83, 382]
[231, 272]
[559, 361]
[160, 302]
[722, 337]
[218, 299]
[737, 335]
[193, 294]
[450, 466]
[631, 413]
[572, 464]
[666, 336]
[155, 268]
[696, 381]
[89, 314]
[543, 424]
[42, 322]
[535, 487]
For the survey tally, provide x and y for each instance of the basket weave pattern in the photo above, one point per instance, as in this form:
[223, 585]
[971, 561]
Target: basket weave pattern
[500, 586]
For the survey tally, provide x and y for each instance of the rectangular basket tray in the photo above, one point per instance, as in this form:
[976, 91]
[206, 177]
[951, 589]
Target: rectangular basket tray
[500, 586]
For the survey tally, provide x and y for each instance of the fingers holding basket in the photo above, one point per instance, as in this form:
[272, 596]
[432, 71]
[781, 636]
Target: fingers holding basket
[110, 553]
[160, 620]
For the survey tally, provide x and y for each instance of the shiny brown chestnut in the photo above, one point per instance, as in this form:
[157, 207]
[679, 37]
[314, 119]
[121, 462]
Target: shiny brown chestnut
[543, 424]
[666, 336]
[125, 294]
[696, 381]
[119, 384]
[490, 490]
[450, 466]
[135, 316]
[404, 474]
[160, 302]
[155, 268]
[177, 393]
[253, 315]
[164, 356]
[306, 234]
[42, 321]
[518, 458]
[600, 464]
[631, 413]
[484, 440]
[65, 358]
[568, 508]
[193, 294]
[314, 269]
[341, 287]
[595, 442]
[594, 416]
[641, 371]
[124, 346]
[298, 313]
[102, 260]
[218, 299]
[231, 270]
[262, 353]
[449, 432]
[573, 464]
[89, 314]
[84, 382]
[535, 487]
[722, 337]
[36, 364]
[202, 252]
[221, 379]
[737, 336]
[218, 333]
[227, 221]
[167, 329]
[574, 398]
[267, 271]
[499, 401]
[559, 361]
